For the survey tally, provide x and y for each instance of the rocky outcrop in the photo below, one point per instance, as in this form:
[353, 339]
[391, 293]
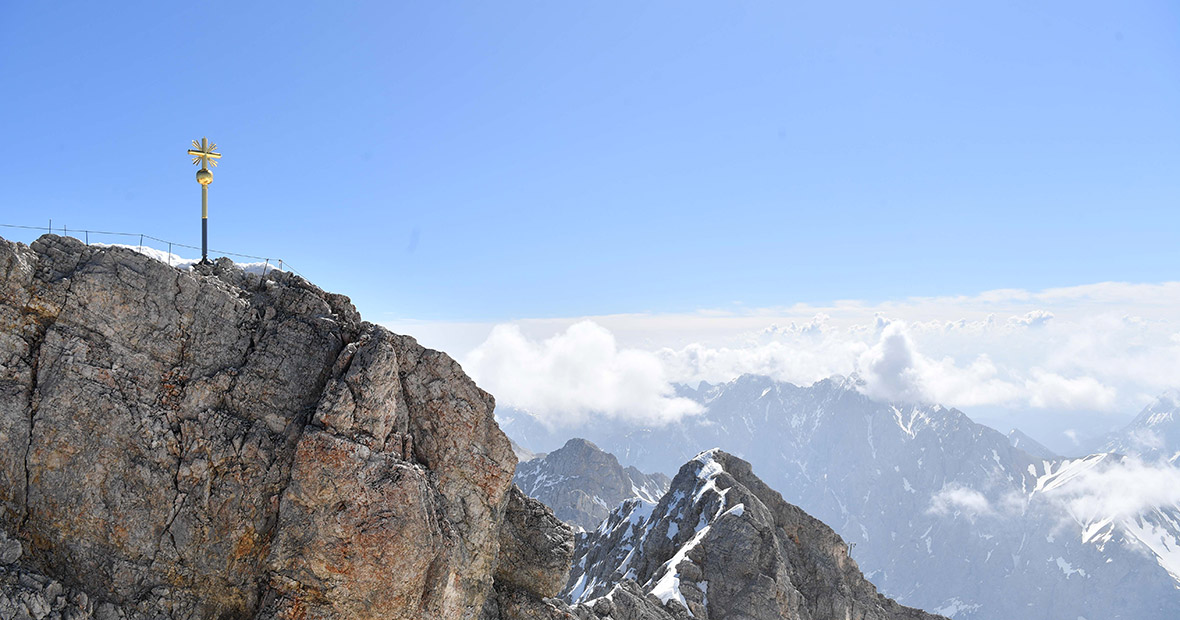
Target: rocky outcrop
[721, 544]
[535, 547]
[582, 483]
[214, 444]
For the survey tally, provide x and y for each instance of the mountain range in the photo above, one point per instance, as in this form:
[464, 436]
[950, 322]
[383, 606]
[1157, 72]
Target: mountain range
[721, 544]
[941, 512]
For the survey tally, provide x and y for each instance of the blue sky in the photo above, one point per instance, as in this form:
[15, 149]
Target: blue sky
[493, 161]
[682, 174]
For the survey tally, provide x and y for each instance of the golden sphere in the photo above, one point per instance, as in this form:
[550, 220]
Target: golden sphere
[204, 177]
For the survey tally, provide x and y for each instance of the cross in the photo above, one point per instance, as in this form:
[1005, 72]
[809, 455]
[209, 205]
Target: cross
[203, 153]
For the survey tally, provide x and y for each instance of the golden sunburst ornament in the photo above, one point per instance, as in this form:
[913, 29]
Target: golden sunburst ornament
[203, 152]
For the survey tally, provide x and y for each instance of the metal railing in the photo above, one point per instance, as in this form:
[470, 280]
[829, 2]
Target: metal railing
[83, 234]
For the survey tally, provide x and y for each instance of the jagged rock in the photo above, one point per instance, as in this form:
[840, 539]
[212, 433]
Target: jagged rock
[229, 445]
[721, 544]
[627, 601]
[512, 604]
[10, 550]
[535, 547]
[582, 483]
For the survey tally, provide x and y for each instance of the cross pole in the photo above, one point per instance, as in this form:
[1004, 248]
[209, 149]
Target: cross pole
[203, 152]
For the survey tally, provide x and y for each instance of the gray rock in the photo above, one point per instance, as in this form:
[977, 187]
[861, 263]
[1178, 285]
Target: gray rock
[535, 547]
[229, 445]
[10, 551]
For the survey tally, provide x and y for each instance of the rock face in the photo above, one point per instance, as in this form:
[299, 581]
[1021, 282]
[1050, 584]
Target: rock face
[215, 444]
[721, 544]
[581, 483]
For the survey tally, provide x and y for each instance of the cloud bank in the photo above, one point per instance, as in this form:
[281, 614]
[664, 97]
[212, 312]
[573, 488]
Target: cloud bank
[1108, 347]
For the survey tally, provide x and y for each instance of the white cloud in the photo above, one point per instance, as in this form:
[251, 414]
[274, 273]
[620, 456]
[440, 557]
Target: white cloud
[577, 373]
[889, 368]
[1119, 489]
[956, 499]
[1036, 318]
[1049, 390]
[784, 360]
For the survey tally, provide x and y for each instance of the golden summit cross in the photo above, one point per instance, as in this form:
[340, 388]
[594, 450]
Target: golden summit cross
[204, 152]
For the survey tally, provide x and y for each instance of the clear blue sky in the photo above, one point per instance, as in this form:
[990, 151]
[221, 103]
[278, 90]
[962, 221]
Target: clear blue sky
[498, 160]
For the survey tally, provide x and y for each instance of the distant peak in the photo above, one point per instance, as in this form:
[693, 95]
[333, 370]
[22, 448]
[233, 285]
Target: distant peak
[577, 443]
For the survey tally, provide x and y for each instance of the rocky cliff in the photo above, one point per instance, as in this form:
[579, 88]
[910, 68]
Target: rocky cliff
[208, 443]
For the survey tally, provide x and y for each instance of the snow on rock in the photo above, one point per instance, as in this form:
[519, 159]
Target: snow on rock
[721, 541]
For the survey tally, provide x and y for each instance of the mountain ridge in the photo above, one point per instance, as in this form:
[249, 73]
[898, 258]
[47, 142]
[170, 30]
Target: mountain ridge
[918, 488]
[720, 543]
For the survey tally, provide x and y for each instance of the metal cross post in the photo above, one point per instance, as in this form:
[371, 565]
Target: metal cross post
[203, 152]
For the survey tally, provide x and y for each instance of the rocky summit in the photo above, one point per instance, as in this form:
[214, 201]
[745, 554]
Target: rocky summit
[581, 483]
[209, 443]
[722, 545]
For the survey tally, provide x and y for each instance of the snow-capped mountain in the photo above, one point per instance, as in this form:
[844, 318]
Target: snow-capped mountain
[581, 483]
[721, 544]
[1154, 434]
[942, 513]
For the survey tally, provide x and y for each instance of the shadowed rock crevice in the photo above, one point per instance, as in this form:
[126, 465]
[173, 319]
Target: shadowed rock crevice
[43, 315]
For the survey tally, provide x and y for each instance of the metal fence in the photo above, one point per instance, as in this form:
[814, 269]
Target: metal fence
[142, 240]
